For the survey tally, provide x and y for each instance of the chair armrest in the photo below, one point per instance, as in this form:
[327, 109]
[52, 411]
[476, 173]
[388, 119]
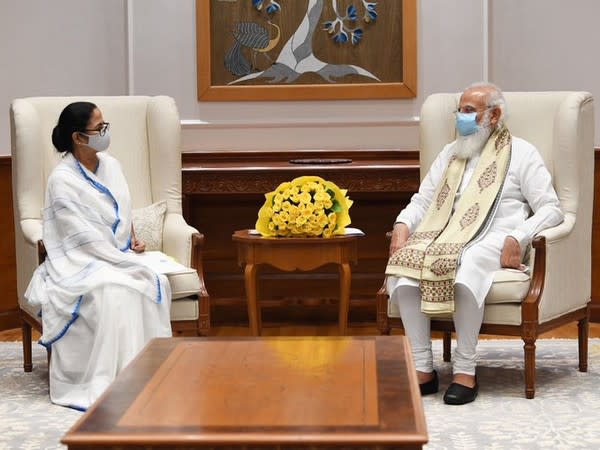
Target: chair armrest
[555, 291]
[185, 243]
[538, 278]
[197, 245]
[560, 231]
[177, 239]
[32, 230]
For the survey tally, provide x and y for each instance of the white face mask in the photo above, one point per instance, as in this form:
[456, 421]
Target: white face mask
[97, 141]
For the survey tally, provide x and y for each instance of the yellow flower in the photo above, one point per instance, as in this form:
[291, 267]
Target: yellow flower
[306, 209]
[300, 220]
[305, 198]
[332, 218]
[321, 195]
[315, 229]
[285, 216]
[304, 228]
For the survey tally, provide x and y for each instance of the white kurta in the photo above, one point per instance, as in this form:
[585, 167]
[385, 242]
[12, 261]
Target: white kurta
[528, 204]
[99, 305]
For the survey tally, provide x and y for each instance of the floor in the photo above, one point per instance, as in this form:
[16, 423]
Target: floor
[565, 332]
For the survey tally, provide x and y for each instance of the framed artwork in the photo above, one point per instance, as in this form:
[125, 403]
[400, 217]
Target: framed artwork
[306, 49]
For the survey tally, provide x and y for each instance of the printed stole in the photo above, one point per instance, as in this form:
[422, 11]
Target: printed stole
[432, 253]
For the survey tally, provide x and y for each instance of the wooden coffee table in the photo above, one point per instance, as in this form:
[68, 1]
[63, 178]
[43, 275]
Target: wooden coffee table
[322, 392]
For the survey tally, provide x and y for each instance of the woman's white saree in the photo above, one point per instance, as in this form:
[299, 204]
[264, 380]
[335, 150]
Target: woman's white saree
[99, 305]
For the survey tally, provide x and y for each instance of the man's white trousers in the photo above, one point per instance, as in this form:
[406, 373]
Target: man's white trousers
[468, 317]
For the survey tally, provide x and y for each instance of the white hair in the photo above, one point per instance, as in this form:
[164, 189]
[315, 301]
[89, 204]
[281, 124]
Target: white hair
[494, 98]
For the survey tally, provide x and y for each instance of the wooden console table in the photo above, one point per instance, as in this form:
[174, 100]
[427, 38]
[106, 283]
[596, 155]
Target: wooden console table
[295, 253]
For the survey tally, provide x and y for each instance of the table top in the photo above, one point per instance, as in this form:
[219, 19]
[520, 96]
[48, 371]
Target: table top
[261, 391]
[250, 236]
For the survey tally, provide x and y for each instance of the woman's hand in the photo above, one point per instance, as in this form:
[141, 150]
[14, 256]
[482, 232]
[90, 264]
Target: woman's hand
[137, 245]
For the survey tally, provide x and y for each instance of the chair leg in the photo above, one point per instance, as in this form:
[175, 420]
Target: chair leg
[447, 344]
[381, 302]
[204, 315]
[582, 332]
[529, 349]
[27, 363]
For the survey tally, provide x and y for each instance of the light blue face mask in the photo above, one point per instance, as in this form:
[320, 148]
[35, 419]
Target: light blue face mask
[466, 123]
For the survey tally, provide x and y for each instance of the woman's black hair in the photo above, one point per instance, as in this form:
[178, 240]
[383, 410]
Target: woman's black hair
[74, 117]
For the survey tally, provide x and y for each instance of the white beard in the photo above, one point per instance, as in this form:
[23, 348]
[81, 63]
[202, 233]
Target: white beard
[466, 147]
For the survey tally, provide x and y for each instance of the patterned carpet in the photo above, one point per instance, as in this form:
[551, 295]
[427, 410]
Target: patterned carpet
[564, 415]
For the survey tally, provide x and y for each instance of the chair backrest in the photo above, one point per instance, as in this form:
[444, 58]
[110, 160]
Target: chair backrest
[561, 126]
[145, 138]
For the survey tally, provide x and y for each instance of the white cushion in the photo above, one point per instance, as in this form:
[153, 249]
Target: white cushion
[184, 309]
[184, 283]
[148, 224]
[509, 286]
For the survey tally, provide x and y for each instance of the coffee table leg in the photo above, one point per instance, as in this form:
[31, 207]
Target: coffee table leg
[253, 309]
[345, 277]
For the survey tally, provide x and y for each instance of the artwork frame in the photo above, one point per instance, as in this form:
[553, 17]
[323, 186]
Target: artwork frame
[210, 90]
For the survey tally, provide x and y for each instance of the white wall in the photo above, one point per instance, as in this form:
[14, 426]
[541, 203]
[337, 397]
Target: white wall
[114, 47]
[60, 47]
[553, 45]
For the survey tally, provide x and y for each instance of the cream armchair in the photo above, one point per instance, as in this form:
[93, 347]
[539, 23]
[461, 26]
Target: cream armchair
[145, 138]
[561, 126]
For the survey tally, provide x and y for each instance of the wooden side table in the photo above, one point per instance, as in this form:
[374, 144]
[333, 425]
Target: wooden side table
[291, 254]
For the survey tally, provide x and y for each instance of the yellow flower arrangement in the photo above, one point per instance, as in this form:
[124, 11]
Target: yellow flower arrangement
[305, 206]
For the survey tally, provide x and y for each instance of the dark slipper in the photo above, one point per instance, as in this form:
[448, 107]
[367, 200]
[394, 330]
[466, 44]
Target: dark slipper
[458, 394]
[431, 386]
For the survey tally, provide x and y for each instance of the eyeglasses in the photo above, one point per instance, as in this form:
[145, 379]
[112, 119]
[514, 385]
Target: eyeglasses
[470, 110]
[102, 128]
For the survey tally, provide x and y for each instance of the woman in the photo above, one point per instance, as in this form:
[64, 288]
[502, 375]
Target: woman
[99, 305]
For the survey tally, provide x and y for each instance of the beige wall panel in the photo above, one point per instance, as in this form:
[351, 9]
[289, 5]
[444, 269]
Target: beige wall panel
[60, 47]
[545, 45]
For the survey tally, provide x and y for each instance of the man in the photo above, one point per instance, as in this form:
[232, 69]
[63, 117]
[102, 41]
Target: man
[486, 195]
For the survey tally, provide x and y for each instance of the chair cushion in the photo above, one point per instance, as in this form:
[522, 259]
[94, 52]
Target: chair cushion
[184, 309]
[184, 283]
[148, 224]
[509, 286]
